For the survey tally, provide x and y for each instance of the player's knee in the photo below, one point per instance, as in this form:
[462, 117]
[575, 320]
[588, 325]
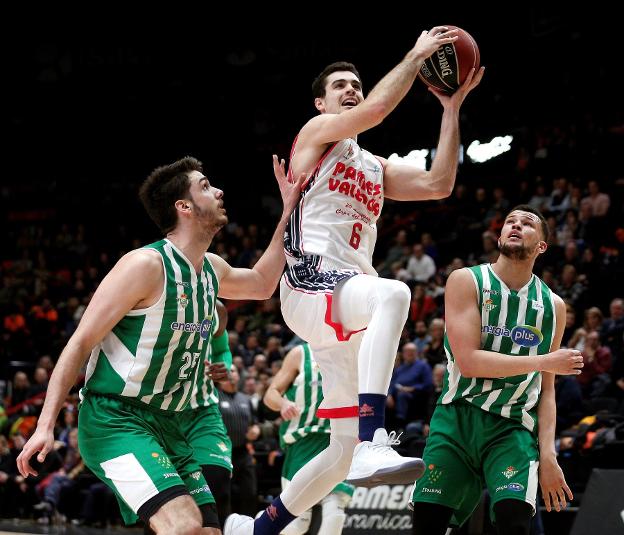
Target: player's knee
[340, 450]
[397, 294]
[189, 526]
[183, 525]
[299, 525]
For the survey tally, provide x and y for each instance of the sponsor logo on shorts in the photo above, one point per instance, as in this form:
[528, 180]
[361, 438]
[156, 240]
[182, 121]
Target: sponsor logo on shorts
[203, 488]
[509, 472]
[222, 446]
[167, 475]
[202, 328]
[515, 487]
[431, 491]
[162, 460]
[196, 475]
[434, 473]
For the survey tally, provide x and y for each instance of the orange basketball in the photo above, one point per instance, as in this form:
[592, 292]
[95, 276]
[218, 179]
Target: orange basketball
[447, 68]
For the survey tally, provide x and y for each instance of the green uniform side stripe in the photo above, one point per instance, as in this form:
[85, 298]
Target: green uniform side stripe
[307, 390]
[179, 357]
[549, 324]
[105, 373]
[194, 315]
[129, 332]
[165, 335]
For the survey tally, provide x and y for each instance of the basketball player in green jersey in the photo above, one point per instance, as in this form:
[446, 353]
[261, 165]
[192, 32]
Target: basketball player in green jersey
[147, 328]
[494, 424]
[296, 392]
[202, 423]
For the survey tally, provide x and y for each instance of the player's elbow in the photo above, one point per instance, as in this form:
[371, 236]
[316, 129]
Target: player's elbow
[465, 368]
[441, 187]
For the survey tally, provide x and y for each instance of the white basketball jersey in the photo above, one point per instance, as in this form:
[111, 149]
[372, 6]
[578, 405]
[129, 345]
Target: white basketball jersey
[335, 224]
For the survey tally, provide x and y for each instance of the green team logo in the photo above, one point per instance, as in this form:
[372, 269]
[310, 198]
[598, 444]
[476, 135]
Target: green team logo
[510, 472]
[434, 473]
[526, 335]
[488, 305]
[162, 460]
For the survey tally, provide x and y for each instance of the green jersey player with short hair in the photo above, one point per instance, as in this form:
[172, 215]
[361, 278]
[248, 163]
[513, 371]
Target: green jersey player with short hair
[494, 424]
[148, 328]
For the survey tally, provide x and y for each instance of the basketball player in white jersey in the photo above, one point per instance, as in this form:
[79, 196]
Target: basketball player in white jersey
[331, 295]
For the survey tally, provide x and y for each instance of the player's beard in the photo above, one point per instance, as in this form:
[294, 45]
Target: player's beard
[515, 251]
[211, 222]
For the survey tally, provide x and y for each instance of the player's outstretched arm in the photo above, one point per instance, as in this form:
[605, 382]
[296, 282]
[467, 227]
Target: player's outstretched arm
[260, 281]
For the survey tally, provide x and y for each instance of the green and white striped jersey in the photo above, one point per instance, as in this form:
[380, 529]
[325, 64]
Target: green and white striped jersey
[512, 323]
[306, 392]
[204, 391]
[152, 355]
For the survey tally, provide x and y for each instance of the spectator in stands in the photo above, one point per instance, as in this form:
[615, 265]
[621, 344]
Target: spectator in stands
[612, 330]
[421, 337]
[592, 322]
[420, 266]
[569, 287]
[434, 353]
[429, 246]
[599, 202]
[570, 327]
[422, 306]
[241, 424]
[18, 392]
[594, 378]
[569, 401]
[411, 383]
[397, 253]
[559, 200]
[540, 200]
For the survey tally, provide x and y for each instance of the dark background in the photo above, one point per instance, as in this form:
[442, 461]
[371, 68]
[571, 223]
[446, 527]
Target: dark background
[93, 106]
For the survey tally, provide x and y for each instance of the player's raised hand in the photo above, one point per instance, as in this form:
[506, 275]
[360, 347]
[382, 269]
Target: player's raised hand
[290, 190]
[430, 41]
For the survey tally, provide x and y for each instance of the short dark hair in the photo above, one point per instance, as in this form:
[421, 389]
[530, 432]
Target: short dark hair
[531, 210]
[163, 187]
[318, 86]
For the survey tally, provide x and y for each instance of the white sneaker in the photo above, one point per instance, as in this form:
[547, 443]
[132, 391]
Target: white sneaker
[238, 525]
[376, 463]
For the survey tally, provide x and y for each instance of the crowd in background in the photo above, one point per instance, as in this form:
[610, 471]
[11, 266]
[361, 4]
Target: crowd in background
[50, 270]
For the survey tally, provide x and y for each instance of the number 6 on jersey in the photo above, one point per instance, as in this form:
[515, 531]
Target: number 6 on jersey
[355, 237]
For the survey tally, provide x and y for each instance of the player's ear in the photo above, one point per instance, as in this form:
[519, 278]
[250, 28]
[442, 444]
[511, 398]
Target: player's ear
[319, 104]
